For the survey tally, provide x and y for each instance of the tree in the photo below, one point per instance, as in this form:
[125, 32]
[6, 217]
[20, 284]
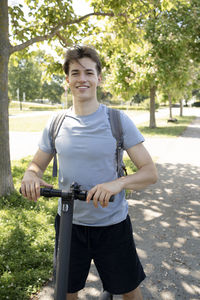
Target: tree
[174, 42]
[43, 21]
[53, 90]
[6, 182]
[29, 75]
[158, 55]
[48, 20]
[24, 74]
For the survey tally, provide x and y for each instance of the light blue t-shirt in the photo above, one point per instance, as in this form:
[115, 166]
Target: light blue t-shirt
[86, 152]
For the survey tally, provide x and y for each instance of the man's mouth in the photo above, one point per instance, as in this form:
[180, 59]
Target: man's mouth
[82, 87]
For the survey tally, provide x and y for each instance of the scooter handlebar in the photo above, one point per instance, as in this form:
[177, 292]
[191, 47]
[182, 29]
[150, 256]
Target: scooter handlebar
[75, 190]
[79, 195]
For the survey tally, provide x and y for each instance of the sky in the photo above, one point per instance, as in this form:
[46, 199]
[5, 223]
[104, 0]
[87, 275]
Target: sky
[81, 9]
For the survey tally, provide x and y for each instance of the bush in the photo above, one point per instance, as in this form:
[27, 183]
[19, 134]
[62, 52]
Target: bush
[196, 104]
[146, 104]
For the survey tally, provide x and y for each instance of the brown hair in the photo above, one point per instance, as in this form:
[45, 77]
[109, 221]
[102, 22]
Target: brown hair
[80, 52]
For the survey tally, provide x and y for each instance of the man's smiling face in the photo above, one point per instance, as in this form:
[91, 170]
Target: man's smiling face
[83, 79]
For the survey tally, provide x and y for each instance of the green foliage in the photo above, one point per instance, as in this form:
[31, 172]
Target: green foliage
[24, 75]
[44, 17]
[53, 90]
[196, 93]
[196, 104]
[130, 167]
[26, 240]
[29, 75]
[146, 105]
[154, 49]
[142, 44]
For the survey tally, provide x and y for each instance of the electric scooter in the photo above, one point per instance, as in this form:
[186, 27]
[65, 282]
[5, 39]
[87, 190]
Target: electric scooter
[64, 243]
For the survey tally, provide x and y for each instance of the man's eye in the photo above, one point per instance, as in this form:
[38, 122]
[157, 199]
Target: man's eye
[74, 74]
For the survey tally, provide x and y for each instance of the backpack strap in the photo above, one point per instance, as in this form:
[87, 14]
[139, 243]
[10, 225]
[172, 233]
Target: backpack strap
[117, 132]
[53, 132]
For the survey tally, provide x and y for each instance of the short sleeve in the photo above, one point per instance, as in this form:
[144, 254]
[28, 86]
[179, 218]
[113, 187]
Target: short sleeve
[132, 136]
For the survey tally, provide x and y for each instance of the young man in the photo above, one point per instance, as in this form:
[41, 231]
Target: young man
[86, 149]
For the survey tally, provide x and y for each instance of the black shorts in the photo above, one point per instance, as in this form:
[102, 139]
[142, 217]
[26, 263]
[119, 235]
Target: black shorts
[113, 251]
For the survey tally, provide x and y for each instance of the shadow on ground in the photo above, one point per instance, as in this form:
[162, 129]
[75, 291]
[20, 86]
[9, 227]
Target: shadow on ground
[166, 226]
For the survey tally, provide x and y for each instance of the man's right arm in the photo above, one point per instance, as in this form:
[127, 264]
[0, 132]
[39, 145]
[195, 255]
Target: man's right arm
[32, 179]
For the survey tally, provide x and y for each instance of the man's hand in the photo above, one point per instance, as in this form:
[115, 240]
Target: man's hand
[32, 181]
[30, 186]
[102, 192]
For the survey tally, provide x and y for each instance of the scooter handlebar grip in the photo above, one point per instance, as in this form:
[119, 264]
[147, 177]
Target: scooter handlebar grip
[50, 192]
[83, 195]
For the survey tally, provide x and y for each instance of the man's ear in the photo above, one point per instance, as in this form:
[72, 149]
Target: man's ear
[99, 79]
[67, 78]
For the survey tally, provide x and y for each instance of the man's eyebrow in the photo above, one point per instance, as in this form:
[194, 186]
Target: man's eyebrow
[77, 70]
[90, 70]
[74, 70]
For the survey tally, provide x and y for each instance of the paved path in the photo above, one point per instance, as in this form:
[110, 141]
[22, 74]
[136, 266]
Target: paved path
[166, 223]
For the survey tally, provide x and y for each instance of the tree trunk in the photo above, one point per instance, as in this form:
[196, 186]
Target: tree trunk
[181, 108]
[170, 106]
[152, 123]
[6, 182]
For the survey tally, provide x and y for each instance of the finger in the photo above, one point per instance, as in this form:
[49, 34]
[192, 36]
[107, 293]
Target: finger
[107, 198]
[90, 194]
[23, 190]
[96, 197]
[102, 199]
[105, 203]
[33, 193]
[27, 191]
[44, 183]
[37, 190]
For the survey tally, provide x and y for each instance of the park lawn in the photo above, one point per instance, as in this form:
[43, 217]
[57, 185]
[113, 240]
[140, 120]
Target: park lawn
[166, 129]
[28, 124]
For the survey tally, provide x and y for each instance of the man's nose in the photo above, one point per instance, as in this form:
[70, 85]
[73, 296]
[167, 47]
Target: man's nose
[82, 77]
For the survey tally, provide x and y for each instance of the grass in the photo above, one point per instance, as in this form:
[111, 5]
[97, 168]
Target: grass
[14, 106]
[165, 129]
[26, 240]
[28, 124]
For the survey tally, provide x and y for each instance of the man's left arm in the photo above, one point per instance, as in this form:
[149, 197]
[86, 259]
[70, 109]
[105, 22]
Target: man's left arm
[145, 175]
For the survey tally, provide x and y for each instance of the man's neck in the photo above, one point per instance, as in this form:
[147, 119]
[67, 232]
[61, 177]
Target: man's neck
[84, 108]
